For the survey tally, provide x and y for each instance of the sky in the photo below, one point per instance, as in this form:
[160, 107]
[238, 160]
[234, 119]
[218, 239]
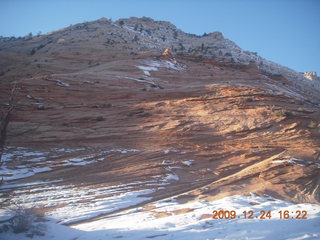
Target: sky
[283, 31]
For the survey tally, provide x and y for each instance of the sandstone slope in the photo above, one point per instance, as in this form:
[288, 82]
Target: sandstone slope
[98, 105]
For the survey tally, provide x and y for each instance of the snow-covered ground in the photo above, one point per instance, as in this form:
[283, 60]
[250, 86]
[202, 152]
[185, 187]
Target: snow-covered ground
[169, 219]
[72, 203]
[23, 162]
[132, 213]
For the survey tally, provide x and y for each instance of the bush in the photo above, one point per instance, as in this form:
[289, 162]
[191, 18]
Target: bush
[40, 46]
[28, 37]
[99, 118]
[175, 34]
[21, 221]
[135, 39]
[312, 124]
[121, 23]
[33, 51]
[244, 100]
[282, 113]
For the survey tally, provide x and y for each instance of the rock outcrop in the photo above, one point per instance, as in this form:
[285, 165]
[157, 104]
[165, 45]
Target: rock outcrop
[311, 76]
[168, 54]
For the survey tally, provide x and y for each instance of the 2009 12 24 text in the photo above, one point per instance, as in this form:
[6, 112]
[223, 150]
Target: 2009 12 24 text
[262, 214]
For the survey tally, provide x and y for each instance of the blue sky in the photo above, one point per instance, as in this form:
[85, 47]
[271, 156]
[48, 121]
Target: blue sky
[284, 31]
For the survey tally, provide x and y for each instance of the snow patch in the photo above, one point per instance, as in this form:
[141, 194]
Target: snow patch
[188, 162]
[292, 160]
[147, 68]
[12, 174]
[193, 225]
[171, 151]
[59, 82]
[21, 163]
[123, 151]
[171, 177]
[82, 211]
[174, 65]
[74, 203]
[24, 185]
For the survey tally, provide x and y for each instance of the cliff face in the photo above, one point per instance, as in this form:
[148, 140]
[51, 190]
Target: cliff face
[101, 104]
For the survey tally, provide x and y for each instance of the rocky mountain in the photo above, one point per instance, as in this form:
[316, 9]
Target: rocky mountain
[144, 34]
[112, 117]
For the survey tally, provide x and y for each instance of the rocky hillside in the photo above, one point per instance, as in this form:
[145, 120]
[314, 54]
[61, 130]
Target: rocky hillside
[141, 109]
[142, 34]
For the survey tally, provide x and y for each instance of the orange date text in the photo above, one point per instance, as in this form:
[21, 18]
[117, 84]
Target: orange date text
[262, 214]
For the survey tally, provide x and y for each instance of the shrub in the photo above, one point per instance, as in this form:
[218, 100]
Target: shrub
[202, 47]
[244, 100]
[41, 46]
[107, 105]
[99, 118]
[33, 51]
[282, 113]
[41, 107]
[135, 39]
[121, 23]
[21, 221]
[175, 34]
[28, 37]
[312, 124]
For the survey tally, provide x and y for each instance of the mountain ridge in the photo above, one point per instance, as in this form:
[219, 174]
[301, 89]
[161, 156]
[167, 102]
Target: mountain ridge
[142, 34]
